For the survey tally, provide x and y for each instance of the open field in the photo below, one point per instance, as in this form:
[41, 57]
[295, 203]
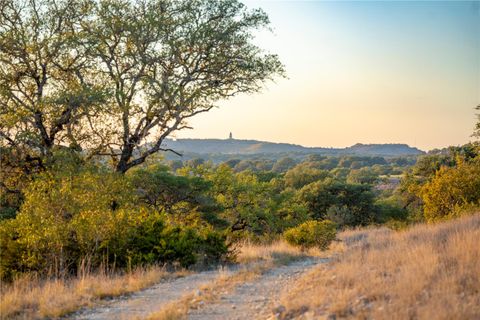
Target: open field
[426, 272]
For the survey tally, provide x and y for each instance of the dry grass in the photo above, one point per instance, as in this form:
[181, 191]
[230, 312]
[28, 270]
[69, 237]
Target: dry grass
[279, 252]
[31, 298]
[426, 272]
[255, 258]
[225, 282]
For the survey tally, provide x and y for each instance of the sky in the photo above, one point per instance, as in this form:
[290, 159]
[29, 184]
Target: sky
[367, 72]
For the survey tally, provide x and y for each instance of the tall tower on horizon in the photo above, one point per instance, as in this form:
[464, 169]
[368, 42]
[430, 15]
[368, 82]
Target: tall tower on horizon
[230, 136]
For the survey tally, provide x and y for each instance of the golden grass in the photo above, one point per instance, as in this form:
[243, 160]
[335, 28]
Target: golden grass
[224, 282]
[255, 258]
[32, 298]
[279, 252]
[426, 272]
[29, 297]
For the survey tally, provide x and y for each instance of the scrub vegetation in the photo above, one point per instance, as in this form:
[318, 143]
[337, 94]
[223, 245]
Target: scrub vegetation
[90, 207]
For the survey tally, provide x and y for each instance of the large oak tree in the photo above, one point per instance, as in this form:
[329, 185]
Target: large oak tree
[44, 86]
[115, 78]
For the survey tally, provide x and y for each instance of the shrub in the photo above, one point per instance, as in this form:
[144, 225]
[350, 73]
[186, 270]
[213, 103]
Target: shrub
[354, 202]
[452, 191]
[157, 242]
[89, 218]
[312, 234]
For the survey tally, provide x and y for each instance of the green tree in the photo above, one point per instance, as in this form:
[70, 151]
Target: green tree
[161, 189]
[250, 205]
[451, 191]
[283, 164]
[70, 214]
[45, 91]
[347, 204]
[116, 77]
[167, 61]
[303, 174]
[363, 175]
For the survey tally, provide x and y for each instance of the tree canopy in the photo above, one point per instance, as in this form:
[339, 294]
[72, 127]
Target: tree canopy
[116, 77]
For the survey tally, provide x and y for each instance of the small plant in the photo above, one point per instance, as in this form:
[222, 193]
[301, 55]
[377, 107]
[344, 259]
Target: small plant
[312, 234]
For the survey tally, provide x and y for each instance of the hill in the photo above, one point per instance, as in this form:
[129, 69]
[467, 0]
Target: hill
[235, 146]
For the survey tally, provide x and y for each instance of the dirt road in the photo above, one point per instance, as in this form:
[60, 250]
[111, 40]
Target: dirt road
[255, 299]
[250, 300]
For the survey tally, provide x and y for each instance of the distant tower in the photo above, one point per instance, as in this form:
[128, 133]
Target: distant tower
[230, 136]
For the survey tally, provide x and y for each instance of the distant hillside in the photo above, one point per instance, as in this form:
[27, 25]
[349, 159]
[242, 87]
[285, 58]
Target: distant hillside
[234, 146]
[394, 149]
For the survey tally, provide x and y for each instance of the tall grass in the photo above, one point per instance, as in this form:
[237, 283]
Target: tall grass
[278, 252]
[30, 297]
[426, 272]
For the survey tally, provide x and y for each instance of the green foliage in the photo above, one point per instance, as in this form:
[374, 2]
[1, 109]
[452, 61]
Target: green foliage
[426, 166]
[442, 184]
[243, 199]
[357, 162]
[70, 215]
[156, 242]
[303, 174]
[119, 71]
[312, 234]
[348, 204]
[161, 189]
[362, 176]
[10, 250]
[282, 165]
[252, 207]
[7, 212]
[390, 209]
[89, 216]
[451, 191]
[76, 212]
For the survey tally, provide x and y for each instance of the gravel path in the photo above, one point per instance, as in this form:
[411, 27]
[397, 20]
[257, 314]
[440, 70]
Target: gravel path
[256, 299]
[140, 304]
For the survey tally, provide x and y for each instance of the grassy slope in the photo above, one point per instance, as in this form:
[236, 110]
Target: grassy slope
[426, 272]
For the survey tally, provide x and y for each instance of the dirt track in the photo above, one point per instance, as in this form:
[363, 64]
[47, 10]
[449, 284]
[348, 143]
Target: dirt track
[256, 299]
[250, 300]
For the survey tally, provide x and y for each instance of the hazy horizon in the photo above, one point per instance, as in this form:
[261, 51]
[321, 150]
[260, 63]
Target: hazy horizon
[361, 72]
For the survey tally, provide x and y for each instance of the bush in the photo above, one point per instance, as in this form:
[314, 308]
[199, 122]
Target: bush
[451, 191]
[91, 218]
[69, 218]
[157, 242]
[312, 234]
[353, 203]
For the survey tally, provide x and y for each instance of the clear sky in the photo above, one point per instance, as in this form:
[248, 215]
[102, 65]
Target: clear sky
[369, 72]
